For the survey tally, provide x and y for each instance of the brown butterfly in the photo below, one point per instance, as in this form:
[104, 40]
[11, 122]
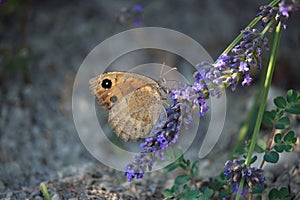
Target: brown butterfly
[135, 102]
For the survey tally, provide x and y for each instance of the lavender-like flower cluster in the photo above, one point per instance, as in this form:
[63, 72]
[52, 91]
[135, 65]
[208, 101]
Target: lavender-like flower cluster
[229, 69]
[139, 166]
[235, 170]
[278, 14]
[164, 134]
[288, 6]
[209, 80]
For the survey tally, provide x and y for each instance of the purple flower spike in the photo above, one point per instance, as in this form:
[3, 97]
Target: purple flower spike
[236, 170]
[280, 14]
[155, 146]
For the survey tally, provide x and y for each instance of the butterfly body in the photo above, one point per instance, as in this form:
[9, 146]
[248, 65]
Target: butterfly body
[134, 102]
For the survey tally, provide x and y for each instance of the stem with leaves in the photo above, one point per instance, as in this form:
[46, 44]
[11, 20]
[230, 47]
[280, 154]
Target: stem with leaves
[267, 84]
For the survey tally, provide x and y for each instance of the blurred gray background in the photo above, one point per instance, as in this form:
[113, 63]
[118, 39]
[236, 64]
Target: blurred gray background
[43, 43]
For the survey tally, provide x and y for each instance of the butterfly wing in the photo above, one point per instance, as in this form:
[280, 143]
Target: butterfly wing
[135, 115]
[134, 102]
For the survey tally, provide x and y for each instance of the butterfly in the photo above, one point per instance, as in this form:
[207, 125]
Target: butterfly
[134, 102]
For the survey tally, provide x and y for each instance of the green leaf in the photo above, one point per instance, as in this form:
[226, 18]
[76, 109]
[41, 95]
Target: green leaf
[180, 159]
[216, 185]
[193, 194]
[259, 197]
[277, 138]
[168, 193]
[271, 157]
[280, 102]
[294, 140]
[291, 96]
[273, 194]
[283, 123]
[221, 178]
[254, 158]
[284, 193]
[202, 197]
[288, 148]
[223, 194]
[269, 117]
[295, 109]
[208, 192]
[257, 190]
[183, 166]
[280, 113]
[195, 168]
[175, 189]
[188, 163]
[289, 137]
[181, 179]
[279, 148]
[279, 126]
[171, 167]
[186, 188]
[298, 99]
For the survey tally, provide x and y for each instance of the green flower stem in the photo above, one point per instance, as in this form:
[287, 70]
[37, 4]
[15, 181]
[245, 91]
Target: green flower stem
[240, 189]
[248, 124]
[267, 27]
[45, 191]
[251, 24]
[267, 84]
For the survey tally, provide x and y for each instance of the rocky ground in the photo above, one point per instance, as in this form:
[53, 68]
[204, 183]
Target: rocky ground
[38, 138]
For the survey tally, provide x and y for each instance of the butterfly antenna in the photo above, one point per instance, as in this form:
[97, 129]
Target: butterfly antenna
[161, 71]
[172, 69]
[162, 75]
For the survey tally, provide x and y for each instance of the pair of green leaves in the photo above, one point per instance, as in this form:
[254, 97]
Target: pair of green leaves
[290, 104]
[181, 188]
[281, 144]
[181, 162]
[282, 194]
